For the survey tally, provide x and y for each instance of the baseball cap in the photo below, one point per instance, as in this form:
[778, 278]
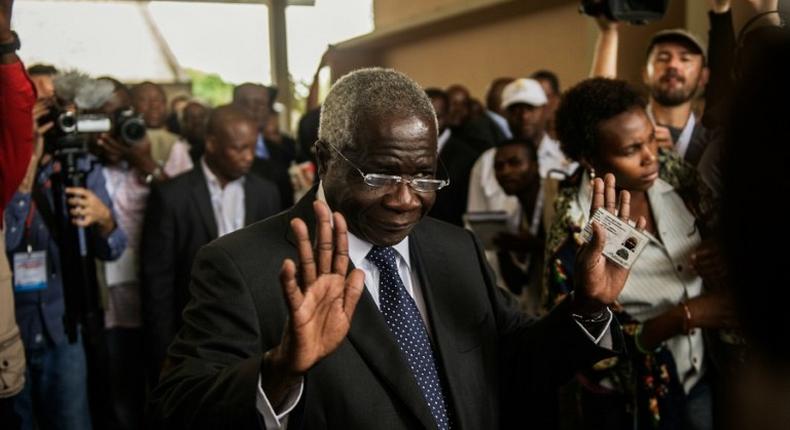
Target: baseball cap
[677, 35]
[523, 90]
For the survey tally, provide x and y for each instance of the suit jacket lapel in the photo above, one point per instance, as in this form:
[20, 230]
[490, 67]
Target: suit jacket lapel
[251, 202]
[202, 198]
[371, 336]
[439, 301]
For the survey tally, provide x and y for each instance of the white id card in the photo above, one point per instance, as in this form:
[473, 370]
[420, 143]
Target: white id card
[624, 243]
[30, 271]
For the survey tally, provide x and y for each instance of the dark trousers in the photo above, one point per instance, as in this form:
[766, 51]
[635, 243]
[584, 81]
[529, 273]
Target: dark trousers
[55, 395]
[127, 377]
[8, 416]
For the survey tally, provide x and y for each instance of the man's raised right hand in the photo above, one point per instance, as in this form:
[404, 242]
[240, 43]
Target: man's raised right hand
[321, 297]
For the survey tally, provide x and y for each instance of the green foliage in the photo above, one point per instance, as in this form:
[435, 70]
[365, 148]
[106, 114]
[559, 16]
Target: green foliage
[210, 87]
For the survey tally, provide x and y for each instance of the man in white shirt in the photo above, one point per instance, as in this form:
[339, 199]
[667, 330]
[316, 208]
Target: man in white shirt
[524, 102]
[215, 198]
[675, 73]
[525, 105]
[433, 343]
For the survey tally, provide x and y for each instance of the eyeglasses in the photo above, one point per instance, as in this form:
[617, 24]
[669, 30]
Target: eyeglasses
[380, 180]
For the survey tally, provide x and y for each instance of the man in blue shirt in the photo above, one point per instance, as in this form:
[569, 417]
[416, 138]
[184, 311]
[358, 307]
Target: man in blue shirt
[55, 392]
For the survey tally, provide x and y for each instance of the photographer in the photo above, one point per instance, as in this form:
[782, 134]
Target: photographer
[678, 68]
[55, 391]
[129, 170]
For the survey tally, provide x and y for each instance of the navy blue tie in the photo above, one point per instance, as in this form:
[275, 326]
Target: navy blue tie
[404, 320]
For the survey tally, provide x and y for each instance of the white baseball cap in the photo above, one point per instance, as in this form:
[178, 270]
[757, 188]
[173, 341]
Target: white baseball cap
[527, 91]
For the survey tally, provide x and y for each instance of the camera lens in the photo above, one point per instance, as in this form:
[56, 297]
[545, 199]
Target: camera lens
[129, 126]
[67, 122]
[133, 131]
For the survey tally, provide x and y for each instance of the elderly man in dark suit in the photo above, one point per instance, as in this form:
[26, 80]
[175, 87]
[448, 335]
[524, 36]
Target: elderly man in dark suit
[217, 197]
[268, 339]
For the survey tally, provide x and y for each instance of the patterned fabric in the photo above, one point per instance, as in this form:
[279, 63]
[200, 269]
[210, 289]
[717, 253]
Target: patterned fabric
[404, 320]
[654, 395]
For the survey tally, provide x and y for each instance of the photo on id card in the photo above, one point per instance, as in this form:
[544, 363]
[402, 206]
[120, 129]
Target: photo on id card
[624, 243]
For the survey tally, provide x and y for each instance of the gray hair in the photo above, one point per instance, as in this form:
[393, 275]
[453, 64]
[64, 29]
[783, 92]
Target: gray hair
[369, 92]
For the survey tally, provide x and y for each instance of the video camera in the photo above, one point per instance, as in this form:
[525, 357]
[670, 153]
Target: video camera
[633, 11]
[80, 113]
[125, 125]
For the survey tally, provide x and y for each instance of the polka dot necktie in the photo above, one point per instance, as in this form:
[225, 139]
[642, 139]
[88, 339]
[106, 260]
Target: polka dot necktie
[404, 320]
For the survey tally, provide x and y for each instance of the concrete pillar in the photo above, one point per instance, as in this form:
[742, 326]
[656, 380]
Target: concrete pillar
[278, 52]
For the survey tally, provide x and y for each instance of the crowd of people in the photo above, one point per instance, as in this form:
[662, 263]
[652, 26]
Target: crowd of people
[194, 274]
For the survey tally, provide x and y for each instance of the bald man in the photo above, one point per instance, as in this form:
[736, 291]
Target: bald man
[217, 197]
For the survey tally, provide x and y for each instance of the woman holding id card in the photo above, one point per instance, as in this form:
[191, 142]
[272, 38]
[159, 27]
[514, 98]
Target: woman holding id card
[664, 383]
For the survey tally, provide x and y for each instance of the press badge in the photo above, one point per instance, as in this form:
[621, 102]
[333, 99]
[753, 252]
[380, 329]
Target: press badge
[30, 271]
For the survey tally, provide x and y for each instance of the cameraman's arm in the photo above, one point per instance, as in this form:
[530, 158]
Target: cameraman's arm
[109, 247]
[16, 114]
[110, 241]
[30, 177]
[6, 36]
[138, 156]
[605, 55]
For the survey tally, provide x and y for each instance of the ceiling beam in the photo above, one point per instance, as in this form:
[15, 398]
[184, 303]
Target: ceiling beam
[266, 2]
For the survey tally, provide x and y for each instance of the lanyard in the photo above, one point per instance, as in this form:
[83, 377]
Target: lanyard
[29, 225]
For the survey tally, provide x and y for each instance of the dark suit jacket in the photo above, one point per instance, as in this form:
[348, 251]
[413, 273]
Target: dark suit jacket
[458, 159]
[179, 219]
[274, 171]
[700, 138]
[480, 133]
[491, 356]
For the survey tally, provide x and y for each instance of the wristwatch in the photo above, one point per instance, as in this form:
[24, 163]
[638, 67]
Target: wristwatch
[149, 178]
[9, 48]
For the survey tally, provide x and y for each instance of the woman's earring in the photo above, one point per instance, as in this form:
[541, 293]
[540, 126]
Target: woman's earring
[592, 173]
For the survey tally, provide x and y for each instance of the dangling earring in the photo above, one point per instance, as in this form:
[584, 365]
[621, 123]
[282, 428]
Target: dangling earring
[592, 173]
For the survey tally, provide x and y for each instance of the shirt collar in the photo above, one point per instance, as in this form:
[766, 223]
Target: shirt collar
[358, 248]
[443, 138]
[211, 178]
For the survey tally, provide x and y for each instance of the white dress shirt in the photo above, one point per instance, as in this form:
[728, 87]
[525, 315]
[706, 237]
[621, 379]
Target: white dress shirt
[485, 194]
[129, 195]
[227, 202]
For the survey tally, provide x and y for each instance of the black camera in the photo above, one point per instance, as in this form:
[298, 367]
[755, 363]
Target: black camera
[70, 122]
[632, 11]
[125, 125]
[129, 127]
